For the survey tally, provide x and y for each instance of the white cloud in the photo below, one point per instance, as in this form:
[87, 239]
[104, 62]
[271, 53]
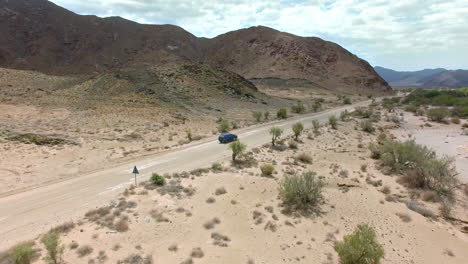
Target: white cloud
[402, 34]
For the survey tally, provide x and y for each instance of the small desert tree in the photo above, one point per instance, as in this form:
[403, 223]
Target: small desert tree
[360, 247]
[257, 116]
[297, 129]
[275, 132]
[51, 241]
[333, 122]
[282, 113]
[237, 148]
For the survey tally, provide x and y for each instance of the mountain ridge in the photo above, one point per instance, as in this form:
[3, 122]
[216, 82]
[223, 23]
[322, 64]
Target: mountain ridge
[44, 37]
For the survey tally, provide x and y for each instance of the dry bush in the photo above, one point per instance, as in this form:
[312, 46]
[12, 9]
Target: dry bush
[220, 191]
[292, 144]
[404, 217]
[121, 225]
[304, 158]
[136, 259]
[210, 200]
[64, 228]
[386, 190]
[216, 166]
[219, 239]
[197, 253]
[420, 209]
[364, 167]
[456, 120]
[84, 251]
[429, 196]
[212, 223]
[375, 183]
[367, 126]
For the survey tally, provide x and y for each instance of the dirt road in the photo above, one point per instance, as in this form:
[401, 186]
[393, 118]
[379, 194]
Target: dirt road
[27, 214]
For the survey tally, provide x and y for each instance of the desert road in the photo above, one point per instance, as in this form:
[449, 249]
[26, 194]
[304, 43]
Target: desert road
[27, 214]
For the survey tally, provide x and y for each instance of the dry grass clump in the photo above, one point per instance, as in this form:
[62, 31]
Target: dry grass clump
[121, 225]
[456, 120]
[429, 196]
[386, 190]
[219, 239]
[375, 183]
[73, 245]
[404, 217]
[292, 144]
[173, 248]
[301, 192]
[158, 216]
[304, 158]
[136, 259]
[364, 167]
[212, 223]
[220, 191]
[197, 253]
[216, 167]
[64, 228]
[174, 188]
[84, 251]
[420, 209]
[267, 169]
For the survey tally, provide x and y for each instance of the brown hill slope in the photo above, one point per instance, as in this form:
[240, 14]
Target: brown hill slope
[38, 35]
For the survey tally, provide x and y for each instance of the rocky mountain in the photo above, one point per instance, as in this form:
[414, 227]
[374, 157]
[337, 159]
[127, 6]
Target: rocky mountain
[425, 78]
[39, 35]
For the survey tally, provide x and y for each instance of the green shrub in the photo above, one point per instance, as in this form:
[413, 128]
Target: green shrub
[189, 135]
[301, 192]
[299, 108]
[51, 241]
[361, 247]
[317, 105]
[346, 100]
[344, 116]
[267, 169]
[157, 179]
[420, 165]
[257, 116]
[234, 125]
[297, 129]
[282, 113]
[216, 166]
[437, 114]
[363, 112]
[23, 253]
[237, 148]
[266, 115]
[367, 126]
[333, 122]
[223, 126]
[275, 133]
[411, 108]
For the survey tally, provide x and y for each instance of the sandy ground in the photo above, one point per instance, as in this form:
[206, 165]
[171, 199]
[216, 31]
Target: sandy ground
[246, 224]
[446, 139]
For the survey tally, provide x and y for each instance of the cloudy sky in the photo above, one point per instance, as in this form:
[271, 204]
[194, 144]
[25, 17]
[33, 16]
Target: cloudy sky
[399, 34]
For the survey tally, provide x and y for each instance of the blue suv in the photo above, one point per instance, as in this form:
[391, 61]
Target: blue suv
[227, 138]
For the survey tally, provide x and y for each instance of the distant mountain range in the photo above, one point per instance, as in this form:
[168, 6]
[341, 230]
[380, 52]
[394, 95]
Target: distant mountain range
[425, 78]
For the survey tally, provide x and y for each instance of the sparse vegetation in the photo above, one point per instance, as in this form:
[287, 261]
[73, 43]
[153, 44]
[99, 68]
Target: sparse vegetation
[437, 114]
[347, 100]
[157, 179]
[301, 192]
[345, 116]
[237, 148]
[367, 126]
[360, 247]
[266, 115]
[257, 116]
[23, 253]
[216, 166]
[316, 126]
[304, 158]
[282, 113]
[333, 122]
[298, 108]
[84, 251]
[51, 241]
[267, 169]
[297, 129]
[275, 133]
[223, 126]
[420, 165]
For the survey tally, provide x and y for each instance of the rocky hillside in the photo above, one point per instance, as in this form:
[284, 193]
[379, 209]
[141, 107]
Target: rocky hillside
[38, 35]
